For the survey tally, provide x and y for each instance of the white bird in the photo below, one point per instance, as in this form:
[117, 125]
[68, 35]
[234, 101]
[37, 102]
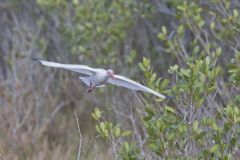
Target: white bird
[95, 77]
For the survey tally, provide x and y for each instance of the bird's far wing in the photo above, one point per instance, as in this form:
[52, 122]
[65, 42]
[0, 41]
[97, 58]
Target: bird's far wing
[73, 67]
[128, 83]
[86, 81]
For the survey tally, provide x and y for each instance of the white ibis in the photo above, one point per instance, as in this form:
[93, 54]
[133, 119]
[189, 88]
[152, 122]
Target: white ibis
[96, 77]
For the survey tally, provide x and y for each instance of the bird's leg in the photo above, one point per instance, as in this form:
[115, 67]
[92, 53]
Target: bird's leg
[91, 87]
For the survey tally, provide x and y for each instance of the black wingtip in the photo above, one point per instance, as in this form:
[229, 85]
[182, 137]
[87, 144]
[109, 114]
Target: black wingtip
[35, 59]
[170, 97]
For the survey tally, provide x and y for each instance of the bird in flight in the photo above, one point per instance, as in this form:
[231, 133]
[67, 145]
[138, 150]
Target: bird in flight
[97, 77]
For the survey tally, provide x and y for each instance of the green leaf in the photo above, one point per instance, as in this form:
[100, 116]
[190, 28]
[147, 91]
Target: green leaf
[150, 111]
[227, 157]
[182, 128]
[173, 69]
[214, 149]
[169, 109]
[236, 110]
[235, 13]
[153, 77]
[94, 116]
[126, 147]
[219, 51]
[75, 2]
[106, 133]
[185, 72]
[147, 118]
[201, 24]
[153, 146]
[117, 132]
[212, 25]
[161, 36]
[180, 29]
[195, 125]
[102, 126]
[181, 7]
[164, 30]
[217, 138]
[126, 133]
[233, 141]
[145, 62]
[207, 60]
[98, 129]
[196, 49]
[97, 113]
[141, 66]
[214, 126]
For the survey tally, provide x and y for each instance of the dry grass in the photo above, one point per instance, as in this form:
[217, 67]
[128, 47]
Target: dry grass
[40, 107]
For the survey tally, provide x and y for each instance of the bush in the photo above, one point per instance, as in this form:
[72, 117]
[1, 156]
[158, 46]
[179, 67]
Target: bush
[188, 50]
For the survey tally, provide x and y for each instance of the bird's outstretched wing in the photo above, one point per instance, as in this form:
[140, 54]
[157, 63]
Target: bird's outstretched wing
[73, 67]
[128, 83]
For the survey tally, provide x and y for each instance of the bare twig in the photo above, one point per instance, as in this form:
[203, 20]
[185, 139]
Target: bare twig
[80, 135]
[234, 27]
[56, 110]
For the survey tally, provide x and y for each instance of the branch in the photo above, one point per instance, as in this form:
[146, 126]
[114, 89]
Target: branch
[80, 135]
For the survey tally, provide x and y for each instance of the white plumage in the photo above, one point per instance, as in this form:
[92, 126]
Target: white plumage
[99, 77]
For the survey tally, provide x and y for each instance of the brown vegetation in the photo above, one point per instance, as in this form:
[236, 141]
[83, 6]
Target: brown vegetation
[37, 104]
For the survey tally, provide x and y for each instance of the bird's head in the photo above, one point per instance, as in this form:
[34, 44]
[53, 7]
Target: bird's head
[110, 73]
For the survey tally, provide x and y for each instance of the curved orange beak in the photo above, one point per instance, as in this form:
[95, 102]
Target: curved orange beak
[112, 76]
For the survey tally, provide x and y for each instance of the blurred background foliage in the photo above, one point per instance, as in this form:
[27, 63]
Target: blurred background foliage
[186, 49]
